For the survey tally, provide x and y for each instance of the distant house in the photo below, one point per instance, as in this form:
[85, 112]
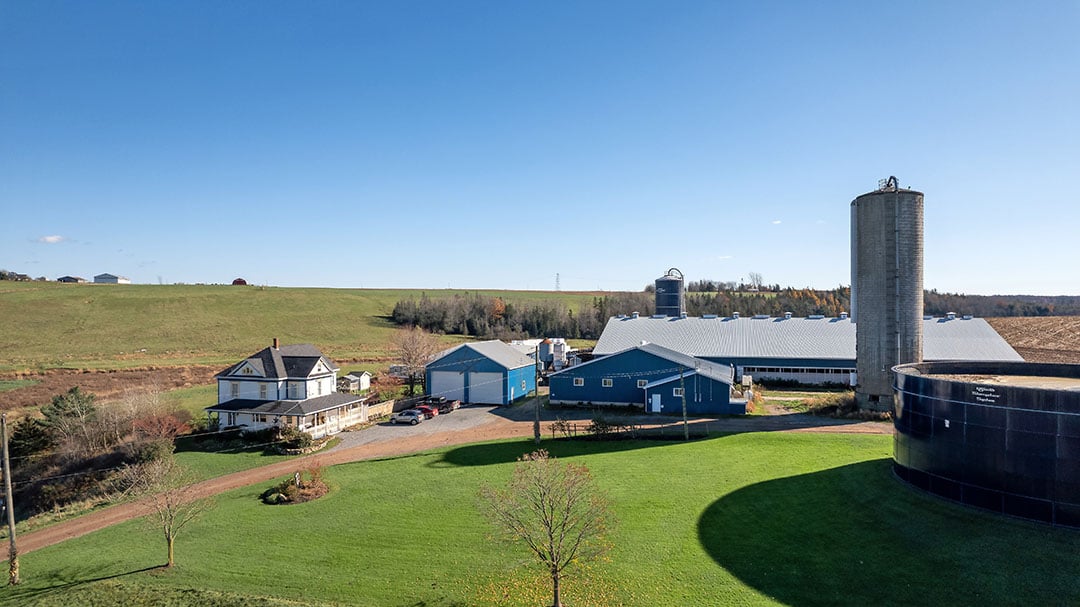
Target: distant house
[488, 372]
[294, 386]
[111, 279]
[72, 279]
[651, 377]
[357, 381]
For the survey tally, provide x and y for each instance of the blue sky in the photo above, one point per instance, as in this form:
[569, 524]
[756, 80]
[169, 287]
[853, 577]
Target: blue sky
[497, 144]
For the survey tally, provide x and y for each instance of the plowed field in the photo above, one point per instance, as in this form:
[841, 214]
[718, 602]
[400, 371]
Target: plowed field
[1043, 339]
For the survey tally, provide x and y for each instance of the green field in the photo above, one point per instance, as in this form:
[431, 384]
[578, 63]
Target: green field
[116, 326]
[746, 519]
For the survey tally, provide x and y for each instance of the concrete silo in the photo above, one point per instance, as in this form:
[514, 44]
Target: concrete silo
[886, 288]
[670, 299]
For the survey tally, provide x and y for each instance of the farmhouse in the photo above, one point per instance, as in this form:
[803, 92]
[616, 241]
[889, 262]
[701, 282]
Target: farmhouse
[650, 376]
[811, 350]
[488, 372]
[71, 279]
[292, 386]
[111, 279]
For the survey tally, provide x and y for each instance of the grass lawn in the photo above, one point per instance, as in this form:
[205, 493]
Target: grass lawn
[745, 519]
[15, 384]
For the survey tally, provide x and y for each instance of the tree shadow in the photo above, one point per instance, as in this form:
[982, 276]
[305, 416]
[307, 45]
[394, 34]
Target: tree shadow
[856, 535]
[64, 580]
[486, 454]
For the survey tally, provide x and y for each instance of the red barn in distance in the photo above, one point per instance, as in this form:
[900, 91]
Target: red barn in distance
[239, 282]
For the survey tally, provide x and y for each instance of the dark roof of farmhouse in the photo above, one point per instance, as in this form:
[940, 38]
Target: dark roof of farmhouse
[296, 361]
[820, 338]
[287, 407]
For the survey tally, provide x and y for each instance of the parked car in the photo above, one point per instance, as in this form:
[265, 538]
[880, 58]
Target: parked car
[446, 406]
[428, 411]
[408, 416]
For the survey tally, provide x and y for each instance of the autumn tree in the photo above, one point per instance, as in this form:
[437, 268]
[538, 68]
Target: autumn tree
[165, 486]
[555, 509]
[414, 347]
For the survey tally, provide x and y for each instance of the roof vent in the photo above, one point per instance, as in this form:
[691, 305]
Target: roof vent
[787, 315]
[682, 315]
[709, 316]
[734, 314]
[928, 317]
[761, 316]
[634, 315]
[967, 317]
[816, 316]
[659, 315]
[643, 343]
[951, 316]
[843, 315]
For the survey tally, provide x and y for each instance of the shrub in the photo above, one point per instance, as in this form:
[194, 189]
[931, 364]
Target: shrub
[153, 450]
[295, 439]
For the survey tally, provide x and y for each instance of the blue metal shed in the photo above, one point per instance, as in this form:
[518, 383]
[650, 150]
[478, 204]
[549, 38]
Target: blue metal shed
[487, 372]
[624, 378]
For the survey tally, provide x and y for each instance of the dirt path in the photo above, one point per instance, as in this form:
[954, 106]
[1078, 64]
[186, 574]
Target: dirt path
[497, 428]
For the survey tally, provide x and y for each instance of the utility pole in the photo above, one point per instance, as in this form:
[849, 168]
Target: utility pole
[536, 420]
[685, 423]
[9, 506]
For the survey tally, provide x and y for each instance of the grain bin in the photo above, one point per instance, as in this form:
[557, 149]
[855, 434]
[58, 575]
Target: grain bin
[670, 300]
[886, 288]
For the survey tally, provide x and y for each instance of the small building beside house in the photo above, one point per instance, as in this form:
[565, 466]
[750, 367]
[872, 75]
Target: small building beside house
[357, 381]
[294, 386]
[652, 378]
[111, 279]
[71, 279]
[486, 372]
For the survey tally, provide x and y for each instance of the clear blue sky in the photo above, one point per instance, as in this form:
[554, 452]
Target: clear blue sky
[495, 144]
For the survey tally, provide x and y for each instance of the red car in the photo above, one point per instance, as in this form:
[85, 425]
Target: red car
[428, 411]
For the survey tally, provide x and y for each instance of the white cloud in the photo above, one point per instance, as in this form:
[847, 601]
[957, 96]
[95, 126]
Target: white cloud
[776, 222]
[51, 239]
[723, 257]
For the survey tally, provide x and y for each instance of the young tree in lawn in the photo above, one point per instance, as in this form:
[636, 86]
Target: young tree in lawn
[414, 347]
[165, 486]
[555, 509]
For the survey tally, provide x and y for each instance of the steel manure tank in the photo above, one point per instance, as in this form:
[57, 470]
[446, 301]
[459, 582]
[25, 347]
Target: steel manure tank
[670, 298]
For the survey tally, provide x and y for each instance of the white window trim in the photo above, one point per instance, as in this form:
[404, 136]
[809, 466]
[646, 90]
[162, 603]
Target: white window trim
[579, 381]
[677, 392]
[607, 382]
[641, 383]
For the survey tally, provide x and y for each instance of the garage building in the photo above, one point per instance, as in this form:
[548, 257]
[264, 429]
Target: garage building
[486, 372]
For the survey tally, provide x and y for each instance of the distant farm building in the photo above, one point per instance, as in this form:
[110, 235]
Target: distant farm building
[239, 282]
[71, 279]
[111, 279]
[811, 350]
[357, 381]
[488, 372]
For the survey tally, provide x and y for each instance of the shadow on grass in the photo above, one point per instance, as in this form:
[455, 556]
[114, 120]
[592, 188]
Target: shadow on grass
[486, 454]
[855, 535]
[61, 581]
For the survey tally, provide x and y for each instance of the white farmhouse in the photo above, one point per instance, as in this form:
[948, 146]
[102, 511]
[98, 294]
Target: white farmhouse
[294, 386]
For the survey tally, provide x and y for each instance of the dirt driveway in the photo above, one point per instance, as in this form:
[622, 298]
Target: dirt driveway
[469, 425]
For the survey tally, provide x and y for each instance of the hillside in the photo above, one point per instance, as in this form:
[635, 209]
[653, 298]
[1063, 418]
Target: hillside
[87, 326]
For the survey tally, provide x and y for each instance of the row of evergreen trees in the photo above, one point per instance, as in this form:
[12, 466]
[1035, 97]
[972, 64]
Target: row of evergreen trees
[495, 317]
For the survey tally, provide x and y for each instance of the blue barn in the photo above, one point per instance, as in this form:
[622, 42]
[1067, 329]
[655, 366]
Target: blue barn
[487, 372]
[651, 377]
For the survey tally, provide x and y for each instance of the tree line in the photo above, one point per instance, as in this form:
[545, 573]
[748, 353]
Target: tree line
[492, 317]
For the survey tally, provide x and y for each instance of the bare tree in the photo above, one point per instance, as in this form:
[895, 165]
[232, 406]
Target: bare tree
[414, 347]
[555, 509]
[165, 487]
[756, 280]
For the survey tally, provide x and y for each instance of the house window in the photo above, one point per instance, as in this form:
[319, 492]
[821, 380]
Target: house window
[231, 419]
[677, 392]
[579, 382]
[259, 419]
[641, 383]
[262, 391]
[318, 388]
[523, 384]
[234, 389]
[293, 390]
[607, 382]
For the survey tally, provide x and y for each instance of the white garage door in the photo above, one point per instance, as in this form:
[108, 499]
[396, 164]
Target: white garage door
[486, 388]
[450, 384]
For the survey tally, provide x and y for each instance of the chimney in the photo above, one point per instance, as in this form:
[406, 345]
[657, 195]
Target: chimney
[275, 343]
